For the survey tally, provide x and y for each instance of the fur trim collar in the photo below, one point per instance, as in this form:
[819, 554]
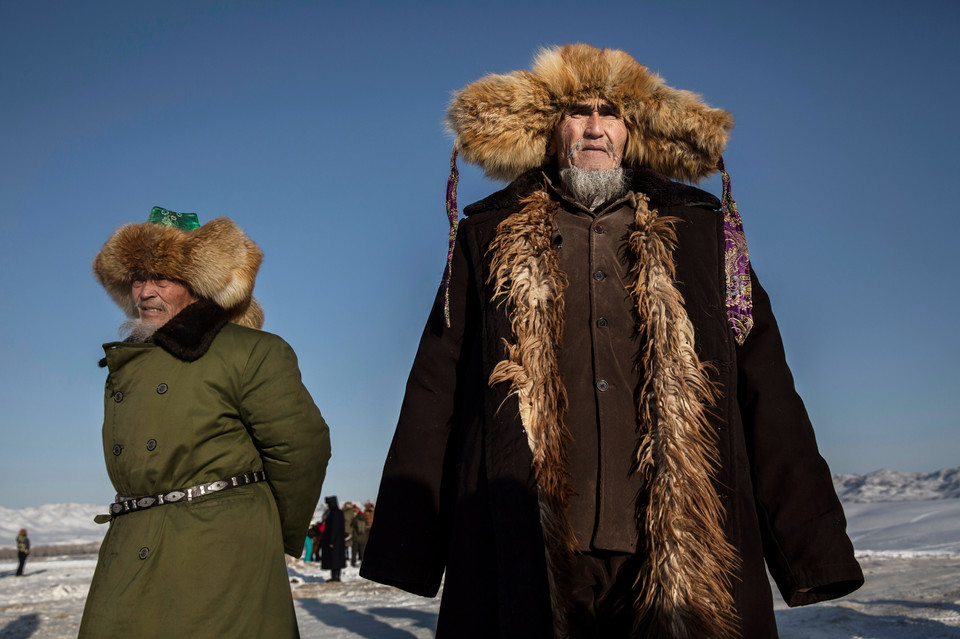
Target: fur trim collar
[683, 589]
[217, 261]
[190, 333]
[502, 123]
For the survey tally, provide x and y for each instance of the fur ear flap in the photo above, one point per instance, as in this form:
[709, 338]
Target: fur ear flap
[502, 123]
[678, 135]
[251, 317]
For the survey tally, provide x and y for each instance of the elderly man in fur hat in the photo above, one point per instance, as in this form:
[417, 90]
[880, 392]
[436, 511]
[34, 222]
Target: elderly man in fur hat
[214, 446]
[600, 435]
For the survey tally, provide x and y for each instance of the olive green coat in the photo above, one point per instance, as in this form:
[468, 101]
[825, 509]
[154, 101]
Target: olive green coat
[214, 566]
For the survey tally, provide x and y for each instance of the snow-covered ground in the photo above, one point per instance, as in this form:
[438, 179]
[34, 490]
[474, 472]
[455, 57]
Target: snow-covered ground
[909, 550]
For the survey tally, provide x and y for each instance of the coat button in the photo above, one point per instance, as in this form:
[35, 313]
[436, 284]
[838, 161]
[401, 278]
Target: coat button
[602, 322]
[151, 444]
[117, 449]
[118, 397]
[161, 389]
[598, 229]
[144, 552]
[557, 242]
[602, 385]
[598, 275]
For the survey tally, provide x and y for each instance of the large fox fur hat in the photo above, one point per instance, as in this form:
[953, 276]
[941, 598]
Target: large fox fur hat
[502, 123]
[216, 261]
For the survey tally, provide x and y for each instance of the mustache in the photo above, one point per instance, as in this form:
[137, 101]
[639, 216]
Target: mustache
[578, 146]
[157, 304]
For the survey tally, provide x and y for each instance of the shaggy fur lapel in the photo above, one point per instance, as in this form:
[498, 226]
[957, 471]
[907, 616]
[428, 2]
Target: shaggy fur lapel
[502, 122]
[683, 589]
[527, 277]
[217, 262]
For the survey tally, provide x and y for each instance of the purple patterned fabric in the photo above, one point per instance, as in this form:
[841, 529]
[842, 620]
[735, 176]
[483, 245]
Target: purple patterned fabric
[737, 262]
[454, 216]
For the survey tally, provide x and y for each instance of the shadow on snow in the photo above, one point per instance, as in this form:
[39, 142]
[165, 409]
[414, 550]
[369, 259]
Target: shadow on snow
[21, 627]
[366, 624]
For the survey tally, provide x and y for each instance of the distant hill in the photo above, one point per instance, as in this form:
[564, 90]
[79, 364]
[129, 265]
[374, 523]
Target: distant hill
[54, 526]
[891, 485]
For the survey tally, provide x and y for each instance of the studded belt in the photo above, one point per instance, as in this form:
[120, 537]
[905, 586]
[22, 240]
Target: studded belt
[126, 505]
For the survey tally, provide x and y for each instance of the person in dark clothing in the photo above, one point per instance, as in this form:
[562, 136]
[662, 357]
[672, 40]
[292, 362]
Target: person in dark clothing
[23, 549]
[332, 541]
[600, 435]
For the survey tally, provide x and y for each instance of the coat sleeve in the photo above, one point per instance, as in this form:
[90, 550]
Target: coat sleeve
[802, 523]
[407, 545]
[289, 432]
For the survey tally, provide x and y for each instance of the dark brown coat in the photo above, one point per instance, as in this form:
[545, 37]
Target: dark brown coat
[459, 495]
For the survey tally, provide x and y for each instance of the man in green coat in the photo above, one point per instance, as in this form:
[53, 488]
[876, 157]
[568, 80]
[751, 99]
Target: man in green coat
[215, 448]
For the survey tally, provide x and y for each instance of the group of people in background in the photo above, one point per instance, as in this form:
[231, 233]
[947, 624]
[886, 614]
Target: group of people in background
[340, 529]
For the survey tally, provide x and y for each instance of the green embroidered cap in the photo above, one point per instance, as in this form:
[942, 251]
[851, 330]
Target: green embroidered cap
[182, 221]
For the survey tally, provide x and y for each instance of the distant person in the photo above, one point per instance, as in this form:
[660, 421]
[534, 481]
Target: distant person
[214, 446]
[317, 537]
[600, 435]
[308, 544]
[368, 515]
[348, 515]
[332, 541]
[23, 549]
[358, 536]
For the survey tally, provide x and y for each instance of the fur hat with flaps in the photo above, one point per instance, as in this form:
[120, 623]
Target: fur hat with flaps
[216, 261]
[502, 123]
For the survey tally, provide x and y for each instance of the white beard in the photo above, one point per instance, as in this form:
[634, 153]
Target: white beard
[593, 188]
[137, 330]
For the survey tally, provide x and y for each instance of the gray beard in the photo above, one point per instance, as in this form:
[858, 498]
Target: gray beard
[136, 330]
[593, 188]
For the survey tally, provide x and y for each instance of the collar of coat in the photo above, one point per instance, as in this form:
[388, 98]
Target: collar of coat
[683, 586]
[189, 334]
[661, 190]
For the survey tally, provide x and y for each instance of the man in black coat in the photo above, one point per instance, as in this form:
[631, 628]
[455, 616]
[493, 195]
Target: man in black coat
[600, 435]
[333, 540]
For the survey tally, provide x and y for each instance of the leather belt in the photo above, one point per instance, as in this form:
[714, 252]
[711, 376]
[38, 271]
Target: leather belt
[126, 505]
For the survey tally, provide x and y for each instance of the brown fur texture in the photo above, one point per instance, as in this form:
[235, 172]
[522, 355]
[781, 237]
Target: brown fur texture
[503, 122]
[527, 277]
[683, 591]
[217, 262]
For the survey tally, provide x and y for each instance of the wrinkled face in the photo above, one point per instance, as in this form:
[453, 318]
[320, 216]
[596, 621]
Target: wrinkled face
[591, 136]
[157, 301]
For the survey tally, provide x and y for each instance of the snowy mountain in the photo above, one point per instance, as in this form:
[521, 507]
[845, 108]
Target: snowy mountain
[52, 524]
[890, 485]
[62, 524]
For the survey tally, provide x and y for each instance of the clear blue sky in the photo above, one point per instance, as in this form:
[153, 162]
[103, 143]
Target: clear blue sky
[317, 126]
